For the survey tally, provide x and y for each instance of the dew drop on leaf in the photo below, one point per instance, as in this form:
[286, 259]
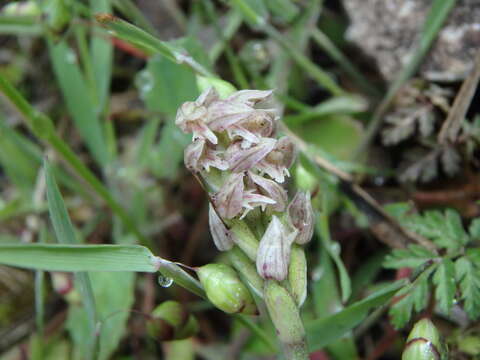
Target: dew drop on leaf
[164, 281]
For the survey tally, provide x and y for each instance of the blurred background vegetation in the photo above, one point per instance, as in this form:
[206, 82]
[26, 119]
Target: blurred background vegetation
[99, 98]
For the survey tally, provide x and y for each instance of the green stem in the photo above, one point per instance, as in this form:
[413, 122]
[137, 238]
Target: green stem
[286, 318]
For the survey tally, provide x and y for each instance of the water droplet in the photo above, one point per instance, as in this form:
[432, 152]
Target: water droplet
[145, 83]
[71, 57]
[164, 281]
[335, 248]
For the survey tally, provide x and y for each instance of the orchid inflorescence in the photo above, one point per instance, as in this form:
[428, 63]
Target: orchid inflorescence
[235, 151]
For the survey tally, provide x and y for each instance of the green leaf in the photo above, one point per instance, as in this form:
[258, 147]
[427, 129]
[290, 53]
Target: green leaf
[337, 135]
[58, 212]
[64, 233]
[444, 279]
[17, 158]
[366, 273]
[164, 86]
[412, 257]
[333, 249]
[468, 277]
[474, 229]
[413, 296]
[324, 331]
[148, 43]
[73, 258]
[114, 297]
[102, 53]
[20, 25]
[78, 99]
[446, 230]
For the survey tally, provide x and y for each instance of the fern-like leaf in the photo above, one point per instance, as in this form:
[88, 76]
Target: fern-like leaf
[444, 279]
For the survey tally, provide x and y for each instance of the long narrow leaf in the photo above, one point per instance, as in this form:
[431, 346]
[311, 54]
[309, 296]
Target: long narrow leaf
[324, 331]
[78, 99]
[65, 234]
[72, 258]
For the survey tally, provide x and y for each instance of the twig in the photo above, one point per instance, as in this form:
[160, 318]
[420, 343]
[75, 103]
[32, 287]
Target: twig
[456, 115]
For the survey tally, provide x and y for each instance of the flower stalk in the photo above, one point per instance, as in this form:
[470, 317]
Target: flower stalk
[243, 166]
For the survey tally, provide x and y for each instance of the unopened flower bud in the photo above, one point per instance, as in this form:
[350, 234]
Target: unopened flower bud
[301, 216]
[171, 321]
[297, 274]
[225, 289]
[423, 343]
[273, 254]
[222, 237]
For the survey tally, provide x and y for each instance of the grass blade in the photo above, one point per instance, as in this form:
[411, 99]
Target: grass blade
[58, 212]
[77, 97]
[74, 258]
[101, 56]
[20, 25]
[148, 43]
[324, 331]
[65, 234]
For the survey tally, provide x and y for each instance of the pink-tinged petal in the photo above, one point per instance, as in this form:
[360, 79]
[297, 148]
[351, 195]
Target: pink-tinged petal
[273, 255]
[301, 216]
[200, 130]
[191, 119]
[189, 112]
[248, 138]
[250, 97]
[207, 97]
[228, 200]
[286, 146]
[271, 189]
[200, 156]
[222, 237]
[193, 154]
[277, 162]
[252, 199]
[244, 159]
[223, 114]
[252, 128]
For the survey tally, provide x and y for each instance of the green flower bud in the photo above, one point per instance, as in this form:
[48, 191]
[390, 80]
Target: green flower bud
[225, 290]
[171, 321]
[423, 343]
[297, 274]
